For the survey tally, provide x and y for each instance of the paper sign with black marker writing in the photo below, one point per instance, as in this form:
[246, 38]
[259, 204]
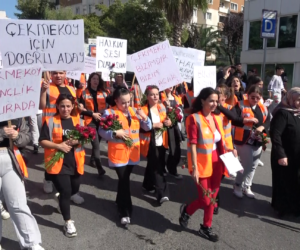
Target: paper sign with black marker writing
[56, 45]
[111, 51]
[204, 76]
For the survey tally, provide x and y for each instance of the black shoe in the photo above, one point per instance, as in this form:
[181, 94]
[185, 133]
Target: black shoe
[92, 164]
[101, 171]
[176, 176]
[216, 210]
[35, 149]
[184, 217]
[151, 191]
[207, 232]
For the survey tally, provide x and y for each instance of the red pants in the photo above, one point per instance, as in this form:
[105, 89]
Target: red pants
[211, 183]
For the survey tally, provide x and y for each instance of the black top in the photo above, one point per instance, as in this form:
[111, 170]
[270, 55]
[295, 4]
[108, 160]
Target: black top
[69, 163]
[64, 90]
[17, 123]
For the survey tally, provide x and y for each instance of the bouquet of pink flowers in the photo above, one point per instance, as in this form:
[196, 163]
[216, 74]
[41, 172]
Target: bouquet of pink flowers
[175, 117]
[111, 123]
[82, 134]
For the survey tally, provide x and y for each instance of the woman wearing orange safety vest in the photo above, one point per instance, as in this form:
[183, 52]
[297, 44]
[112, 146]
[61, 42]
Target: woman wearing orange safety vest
[137, 94]
[50, 91]
[80, 85]
[171, 100]
[154, 145]
[206, 142]
[13, 171]
[93, 99]
[250, 118]
[188, 99]
[66, 173]
[121, 157]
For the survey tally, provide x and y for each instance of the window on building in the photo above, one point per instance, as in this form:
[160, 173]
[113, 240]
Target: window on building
[210, 1]
[222, 19]
[242, 8]
[234, 6]
[289, 72]
[287, 32]
[207, 15]
[90, 8]
[255, 42]
[195, 13]
[77, 10]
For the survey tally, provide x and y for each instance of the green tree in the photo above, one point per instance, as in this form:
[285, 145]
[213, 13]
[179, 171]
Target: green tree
[179, 13]
[60, 14]
[141, 24]
[92, 27]
[205, 38]
[32, 9]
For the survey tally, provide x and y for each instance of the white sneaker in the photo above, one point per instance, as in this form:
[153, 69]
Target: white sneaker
[125, 220]
[35, 247]
[248, 192]
[163, 199]
[56, 198]
[70, 229]
[237, 191]
[77, 199]
[48, 187]
[4, 214]
[260, 163]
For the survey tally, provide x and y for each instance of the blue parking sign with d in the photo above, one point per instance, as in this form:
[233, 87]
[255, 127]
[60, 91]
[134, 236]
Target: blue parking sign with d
[268, 24]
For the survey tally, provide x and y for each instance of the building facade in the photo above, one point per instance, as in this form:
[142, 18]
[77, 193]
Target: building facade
[217, 11]
[3, 15]
[284, 50]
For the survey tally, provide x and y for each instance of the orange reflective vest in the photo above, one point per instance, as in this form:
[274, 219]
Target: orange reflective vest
[242, 134]
[89, 103]
[21, 161]
[146, 137]
[118, 153]
[204, 145]
[163, 97]
[190, 99]
[227, 128]
[52, 95]
[137, 100]
[56, 136]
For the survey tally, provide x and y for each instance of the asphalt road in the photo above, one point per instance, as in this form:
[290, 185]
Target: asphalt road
[241, 224]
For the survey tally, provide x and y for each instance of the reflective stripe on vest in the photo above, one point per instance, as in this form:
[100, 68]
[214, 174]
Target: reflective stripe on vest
[118, 153]
[56, 136]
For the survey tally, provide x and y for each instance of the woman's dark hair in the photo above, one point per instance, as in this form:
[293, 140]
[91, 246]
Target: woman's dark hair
[204, 94]
[254, 89]
[241, 85]
[224, 90]
[69, 97]
[101, 85]
[119, 91]
[252, 80]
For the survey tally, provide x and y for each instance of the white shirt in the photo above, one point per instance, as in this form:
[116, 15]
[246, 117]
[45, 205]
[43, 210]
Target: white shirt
[158, 137]
[276, 85]
[217, 139]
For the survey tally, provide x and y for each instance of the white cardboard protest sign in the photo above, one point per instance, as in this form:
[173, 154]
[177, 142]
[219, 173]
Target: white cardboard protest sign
[1, 64]
[89, 65]
[57, 45]
[204, 76]
[186, 58]
[73, 75]
[105, 76]
[156, 65]
[20, 91]
[111, 51]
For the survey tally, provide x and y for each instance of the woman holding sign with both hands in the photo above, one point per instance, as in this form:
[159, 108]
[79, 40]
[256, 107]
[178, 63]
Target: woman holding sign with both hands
[206, 142]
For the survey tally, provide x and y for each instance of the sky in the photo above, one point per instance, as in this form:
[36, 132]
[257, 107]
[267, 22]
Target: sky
[9, 7]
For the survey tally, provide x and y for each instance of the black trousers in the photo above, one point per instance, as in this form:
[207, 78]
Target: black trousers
[124, 196]
[95, 145]
[66, 185]
[154, 173]
[174, 159]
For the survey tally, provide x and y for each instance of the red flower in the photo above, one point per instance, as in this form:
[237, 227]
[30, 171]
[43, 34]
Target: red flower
[86, 135]
[177, 111]
[109, 123]
[177, 106]
[113, 65]
[101, 124]
[117, 117]
[109, 118]
[105, 126]
[183, 166]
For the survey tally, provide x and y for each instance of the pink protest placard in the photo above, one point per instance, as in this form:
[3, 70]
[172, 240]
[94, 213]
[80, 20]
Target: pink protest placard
[156, 65]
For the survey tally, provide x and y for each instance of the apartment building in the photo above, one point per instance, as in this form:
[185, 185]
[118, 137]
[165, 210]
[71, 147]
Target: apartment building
[3, 15]
[217, 11]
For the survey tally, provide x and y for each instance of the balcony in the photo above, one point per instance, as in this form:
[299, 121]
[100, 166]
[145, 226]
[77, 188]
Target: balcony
[224, 10]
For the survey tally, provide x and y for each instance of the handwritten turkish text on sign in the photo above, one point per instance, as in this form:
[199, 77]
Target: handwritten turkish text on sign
[204, 76]
[73, 75]
[1, 64]
[156, 66]
[89, 65]
[57, 45]
[19, 92]
[186, 58]
[111, 51]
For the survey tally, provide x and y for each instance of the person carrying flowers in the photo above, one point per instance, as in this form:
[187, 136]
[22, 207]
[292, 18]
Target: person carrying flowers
[65, 155]
[120, 126]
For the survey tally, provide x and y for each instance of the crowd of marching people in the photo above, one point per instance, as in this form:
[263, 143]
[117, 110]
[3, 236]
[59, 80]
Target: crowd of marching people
[231, 118]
